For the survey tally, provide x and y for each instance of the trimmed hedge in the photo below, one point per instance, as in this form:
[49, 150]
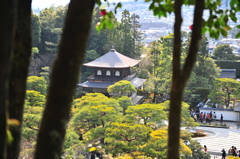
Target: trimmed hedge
[229, 64]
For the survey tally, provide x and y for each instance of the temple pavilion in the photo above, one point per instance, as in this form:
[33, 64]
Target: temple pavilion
[108, 69]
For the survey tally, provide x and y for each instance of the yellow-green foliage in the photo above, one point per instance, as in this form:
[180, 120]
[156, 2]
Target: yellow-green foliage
[92, 113]
[184, 149]
[9, 137]
[93, 99]
[225, 91]
[34, 98]
[137, 134]
[232, 157]
[37, 84]
[159, 134]
[157, 144]
[126, 138]
[13, 122]
[121, 88]
[127, 156]
[146, 113]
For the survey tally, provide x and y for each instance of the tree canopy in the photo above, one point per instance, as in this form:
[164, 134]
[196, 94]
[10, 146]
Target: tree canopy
[223, 52]
[121, 88]
[226, 91]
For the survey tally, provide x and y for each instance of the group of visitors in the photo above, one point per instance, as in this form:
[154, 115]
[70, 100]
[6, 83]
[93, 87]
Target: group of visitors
[231, 152]
[204, 117]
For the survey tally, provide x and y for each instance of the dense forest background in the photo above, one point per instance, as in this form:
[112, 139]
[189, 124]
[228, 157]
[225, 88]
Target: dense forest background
[126, 38]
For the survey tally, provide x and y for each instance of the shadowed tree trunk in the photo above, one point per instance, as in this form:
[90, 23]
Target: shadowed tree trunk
[180, 76]
[7, 28]
[64, 79]
[19, 72]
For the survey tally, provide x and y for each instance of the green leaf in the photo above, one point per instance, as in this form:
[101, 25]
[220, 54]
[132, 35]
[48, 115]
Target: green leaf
[220, 11]
[151, 7]
[238, 26]
[233, 17]
[119, 5]
[219, 2]
[9, 137]
[189, 2]
[98, 2]
[227, 27]
[217, 24]
[204, 30]
[224, 32]
[109, 24]
[232, 3]
[238, 35]
[225, 19]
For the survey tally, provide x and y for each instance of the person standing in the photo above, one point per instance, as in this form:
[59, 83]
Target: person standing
[214, 116]
[236, 151]
[205, 148]
[201, 117]
[210, 115]
[209, 118]
[204, 117]
[223, 154]
[233, 151]
[195, 117]
[221, 118]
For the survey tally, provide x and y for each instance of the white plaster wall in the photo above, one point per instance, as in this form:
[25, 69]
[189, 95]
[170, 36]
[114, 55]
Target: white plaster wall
[227, 115]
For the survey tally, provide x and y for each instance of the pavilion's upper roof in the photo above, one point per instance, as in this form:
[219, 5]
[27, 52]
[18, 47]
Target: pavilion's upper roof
[113, 59]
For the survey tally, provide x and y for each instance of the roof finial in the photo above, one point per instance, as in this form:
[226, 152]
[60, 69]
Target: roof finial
[112, 46]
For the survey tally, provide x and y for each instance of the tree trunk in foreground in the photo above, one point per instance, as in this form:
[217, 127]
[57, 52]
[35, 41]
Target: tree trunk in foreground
[19, 72]
[180, 76]
[7, 28]
[64, 79]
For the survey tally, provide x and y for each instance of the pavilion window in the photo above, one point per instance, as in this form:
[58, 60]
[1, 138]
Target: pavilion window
[108, 73]
[99, 72]
[117, 73]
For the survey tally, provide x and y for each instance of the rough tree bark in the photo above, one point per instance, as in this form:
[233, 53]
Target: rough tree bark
[180, 76]
[7, 28]
[64, 79]
[19, 72]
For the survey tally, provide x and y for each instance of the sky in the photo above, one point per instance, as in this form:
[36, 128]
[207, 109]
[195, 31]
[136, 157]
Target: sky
[41, 4]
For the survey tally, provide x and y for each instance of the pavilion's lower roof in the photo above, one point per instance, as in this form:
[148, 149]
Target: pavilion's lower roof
[137, 82]
[89, 84]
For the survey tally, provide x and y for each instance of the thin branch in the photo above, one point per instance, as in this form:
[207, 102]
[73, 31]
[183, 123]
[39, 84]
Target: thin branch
[195, 40]
[33, 128]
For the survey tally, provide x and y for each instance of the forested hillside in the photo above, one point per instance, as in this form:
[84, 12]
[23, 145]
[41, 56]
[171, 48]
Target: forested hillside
[125, 37]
